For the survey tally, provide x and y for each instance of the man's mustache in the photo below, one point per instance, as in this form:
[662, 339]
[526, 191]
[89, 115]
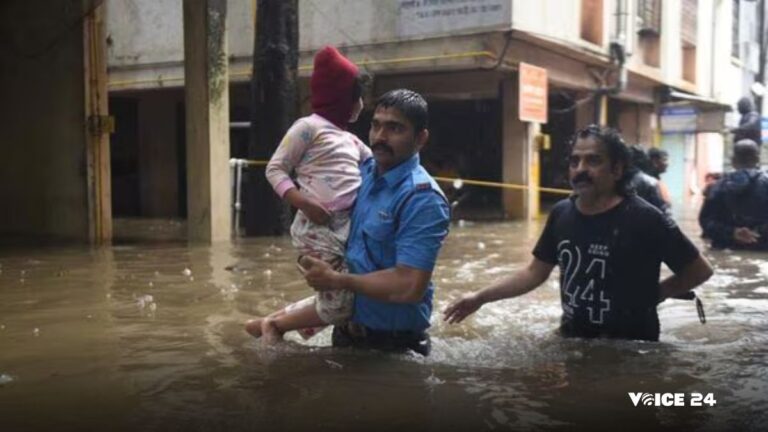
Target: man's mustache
[581, 177]
[383, 147]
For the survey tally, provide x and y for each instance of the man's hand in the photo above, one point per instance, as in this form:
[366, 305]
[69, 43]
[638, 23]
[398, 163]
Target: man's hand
[745, 236]
[319, 274]
[462, 308]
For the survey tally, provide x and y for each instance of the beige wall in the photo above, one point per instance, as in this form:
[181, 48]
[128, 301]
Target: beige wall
[514, 152]
[42, 134]
[635, 124]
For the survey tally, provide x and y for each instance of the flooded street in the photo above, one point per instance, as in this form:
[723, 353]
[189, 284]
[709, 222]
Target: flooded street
[149, 337]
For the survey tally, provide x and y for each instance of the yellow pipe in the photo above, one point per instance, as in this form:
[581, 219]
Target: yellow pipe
[469, 182]
[160, 80]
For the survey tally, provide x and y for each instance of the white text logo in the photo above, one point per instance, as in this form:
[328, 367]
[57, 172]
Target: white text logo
[671, 399]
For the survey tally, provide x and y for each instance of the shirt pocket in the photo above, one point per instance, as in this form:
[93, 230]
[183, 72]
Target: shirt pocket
[379, 238]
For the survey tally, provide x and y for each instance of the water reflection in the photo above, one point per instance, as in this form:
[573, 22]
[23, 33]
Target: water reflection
[149, 337]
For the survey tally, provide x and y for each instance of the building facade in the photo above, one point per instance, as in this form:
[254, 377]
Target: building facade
[623, 63]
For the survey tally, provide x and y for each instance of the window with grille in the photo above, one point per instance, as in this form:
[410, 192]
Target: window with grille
[649, 16]
[689, 26]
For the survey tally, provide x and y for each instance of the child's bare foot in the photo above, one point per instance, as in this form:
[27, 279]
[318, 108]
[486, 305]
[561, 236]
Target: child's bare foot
[270, 334]
[253, 327]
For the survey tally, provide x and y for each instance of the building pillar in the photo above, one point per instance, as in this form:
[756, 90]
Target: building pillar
[519, 157]
[207, 114]
[98, 128]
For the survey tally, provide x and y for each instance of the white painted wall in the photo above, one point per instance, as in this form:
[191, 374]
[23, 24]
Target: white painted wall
[558, 19]
[150, 32]
[147, 34]
[671, 53]
[356, 22]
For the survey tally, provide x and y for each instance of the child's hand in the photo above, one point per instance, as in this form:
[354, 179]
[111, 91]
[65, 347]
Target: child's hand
[311, 208]
[316, 212]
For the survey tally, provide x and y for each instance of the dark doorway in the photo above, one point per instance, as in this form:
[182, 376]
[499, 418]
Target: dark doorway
[124, 154]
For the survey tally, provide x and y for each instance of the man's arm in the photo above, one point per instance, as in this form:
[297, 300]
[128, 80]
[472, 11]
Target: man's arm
[691, 276]
[522, 282]
[751, 122]
[423, 225]
[401, 284]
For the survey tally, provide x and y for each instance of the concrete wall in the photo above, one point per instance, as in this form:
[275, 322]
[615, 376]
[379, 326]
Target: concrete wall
[42, 133]
[146, 35]
[554, 18]
[150, 32]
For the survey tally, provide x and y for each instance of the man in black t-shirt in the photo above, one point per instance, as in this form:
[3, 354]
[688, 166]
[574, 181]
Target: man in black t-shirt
[609, 245]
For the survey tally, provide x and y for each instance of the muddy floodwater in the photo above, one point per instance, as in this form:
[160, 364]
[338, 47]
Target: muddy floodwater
[148, 337]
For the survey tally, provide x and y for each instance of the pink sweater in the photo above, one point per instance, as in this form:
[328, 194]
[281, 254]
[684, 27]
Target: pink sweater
[326, 161]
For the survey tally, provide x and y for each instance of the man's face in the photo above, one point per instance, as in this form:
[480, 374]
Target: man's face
[661, 164]
[393, 139]
[590, 169]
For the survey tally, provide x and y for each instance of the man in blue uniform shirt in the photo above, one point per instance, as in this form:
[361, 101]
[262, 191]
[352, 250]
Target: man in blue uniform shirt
[398, 225]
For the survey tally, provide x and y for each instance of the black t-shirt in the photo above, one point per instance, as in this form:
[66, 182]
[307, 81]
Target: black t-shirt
[610, 264]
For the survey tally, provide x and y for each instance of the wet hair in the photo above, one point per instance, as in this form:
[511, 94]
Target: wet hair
[640, 159]
[359, 86]
[411, 104]
[618, 152]
[656, 153]
[746, 154]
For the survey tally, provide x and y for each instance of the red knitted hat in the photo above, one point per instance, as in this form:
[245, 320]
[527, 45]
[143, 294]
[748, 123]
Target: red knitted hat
[332, 84]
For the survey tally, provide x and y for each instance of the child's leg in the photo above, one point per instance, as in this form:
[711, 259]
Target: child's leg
[254, 326]
[299, 315]
[305, 316]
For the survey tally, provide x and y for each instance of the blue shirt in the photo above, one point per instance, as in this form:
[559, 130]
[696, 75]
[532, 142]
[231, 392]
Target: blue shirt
[400, 218]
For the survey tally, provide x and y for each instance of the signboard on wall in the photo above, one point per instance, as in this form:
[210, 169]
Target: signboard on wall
[678, 120]
[688, 119]
[430, 17]
[533, 94]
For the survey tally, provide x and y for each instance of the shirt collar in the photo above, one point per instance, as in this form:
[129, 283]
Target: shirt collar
[396, 174]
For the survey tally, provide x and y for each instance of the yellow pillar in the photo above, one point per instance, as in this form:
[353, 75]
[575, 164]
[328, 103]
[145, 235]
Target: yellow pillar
[98, 127]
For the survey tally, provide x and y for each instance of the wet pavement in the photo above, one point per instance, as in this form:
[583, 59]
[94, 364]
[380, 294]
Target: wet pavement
[149, 337]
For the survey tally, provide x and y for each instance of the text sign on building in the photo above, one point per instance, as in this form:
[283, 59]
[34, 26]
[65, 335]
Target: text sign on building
[431, 17]
[533, 93]
[679, 120]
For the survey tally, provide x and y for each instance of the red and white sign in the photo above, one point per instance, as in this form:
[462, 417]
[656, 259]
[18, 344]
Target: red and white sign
[533, 93]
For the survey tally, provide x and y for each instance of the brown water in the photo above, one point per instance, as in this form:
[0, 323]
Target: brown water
[126, 338]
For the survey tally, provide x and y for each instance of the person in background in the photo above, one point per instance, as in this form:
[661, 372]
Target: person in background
[749, 123]
[644, 185]
[735, 211]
